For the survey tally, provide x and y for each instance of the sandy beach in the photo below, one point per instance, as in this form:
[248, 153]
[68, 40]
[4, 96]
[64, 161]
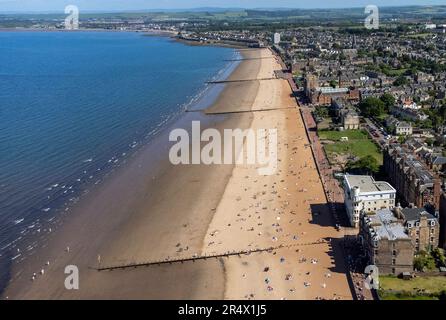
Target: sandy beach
[147, 212]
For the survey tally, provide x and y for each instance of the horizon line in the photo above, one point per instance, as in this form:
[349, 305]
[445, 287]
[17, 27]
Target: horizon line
[205, 9]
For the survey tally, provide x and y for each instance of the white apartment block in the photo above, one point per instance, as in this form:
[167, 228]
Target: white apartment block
[364, 194]
[276, 38]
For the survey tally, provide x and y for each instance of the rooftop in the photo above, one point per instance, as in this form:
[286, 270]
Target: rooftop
[368, 184]
[333, 90]
[414, 214]
[384, 225]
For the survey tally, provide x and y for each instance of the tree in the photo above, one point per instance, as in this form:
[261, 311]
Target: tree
[438, 255]
[367, 164]
[372, 107]
[418, 263]
[388, 100]
[400, 81]
[402, 139]
[411, 71]
[424, 261]
[429, 141]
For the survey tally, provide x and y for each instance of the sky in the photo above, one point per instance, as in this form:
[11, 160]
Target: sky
[126, 5]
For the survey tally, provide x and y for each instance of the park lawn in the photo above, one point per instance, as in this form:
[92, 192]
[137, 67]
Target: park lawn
[358, 144]
[401, 296]
[420, 35]
[337, 135]
[432, 284]
[396, 72]
[393, 288]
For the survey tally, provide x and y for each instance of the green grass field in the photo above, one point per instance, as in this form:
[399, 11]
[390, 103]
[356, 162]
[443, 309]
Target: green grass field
[358, 144]
[337, 135]
[420, 288]
[396, 72]
[420, 35]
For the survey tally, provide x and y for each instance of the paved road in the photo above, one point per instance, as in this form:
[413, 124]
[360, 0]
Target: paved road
[372, 129]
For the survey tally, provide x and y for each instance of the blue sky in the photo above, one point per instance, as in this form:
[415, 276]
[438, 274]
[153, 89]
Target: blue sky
[107, 5]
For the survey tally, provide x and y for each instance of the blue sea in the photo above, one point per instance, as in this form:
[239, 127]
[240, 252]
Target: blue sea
[75, 105]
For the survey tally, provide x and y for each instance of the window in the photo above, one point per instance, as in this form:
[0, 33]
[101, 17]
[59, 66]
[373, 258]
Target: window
[394, 252]
[393, 261]
[432, 239]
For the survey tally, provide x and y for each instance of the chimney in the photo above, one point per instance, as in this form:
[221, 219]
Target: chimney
[398, 212]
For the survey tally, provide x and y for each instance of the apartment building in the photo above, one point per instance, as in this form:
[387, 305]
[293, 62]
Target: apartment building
[442, 237]
[421, 226]
[364, 195]
[417, 185]
[386, 243]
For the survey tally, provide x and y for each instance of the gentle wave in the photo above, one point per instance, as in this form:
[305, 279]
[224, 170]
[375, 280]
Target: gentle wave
[63, 137]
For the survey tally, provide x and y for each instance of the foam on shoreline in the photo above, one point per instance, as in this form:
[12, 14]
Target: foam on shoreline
[147, 213]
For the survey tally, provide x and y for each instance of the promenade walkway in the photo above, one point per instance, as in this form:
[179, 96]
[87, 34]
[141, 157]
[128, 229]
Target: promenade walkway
[334, 194]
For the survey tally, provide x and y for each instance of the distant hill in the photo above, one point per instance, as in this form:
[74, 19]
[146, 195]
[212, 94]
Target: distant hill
[405, 13]
[325, 14]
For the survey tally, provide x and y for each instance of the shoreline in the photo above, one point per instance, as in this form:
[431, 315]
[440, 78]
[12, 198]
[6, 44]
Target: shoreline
[20, 29]
[183, 211]
[159, 144]
[147, 33]
[204, 98]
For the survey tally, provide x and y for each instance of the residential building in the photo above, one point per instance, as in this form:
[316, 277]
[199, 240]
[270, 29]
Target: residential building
[346, 114]
[350, 120]
[416, 184]
[409, 113]
[399, 128]
[311, 83]
[364, 195]
[325, 95]
[386, 243]
[276, 38]
[442, 240]
[403, 128]
[437, 163]
[421, 226]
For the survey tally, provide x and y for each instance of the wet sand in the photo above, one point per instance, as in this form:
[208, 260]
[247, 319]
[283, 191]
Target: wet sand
[146, 212]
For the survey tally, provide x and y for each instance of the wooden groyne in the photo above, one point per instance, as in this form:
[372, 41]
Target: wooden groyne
[250, 49]
[200, 257]
[247, 111]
